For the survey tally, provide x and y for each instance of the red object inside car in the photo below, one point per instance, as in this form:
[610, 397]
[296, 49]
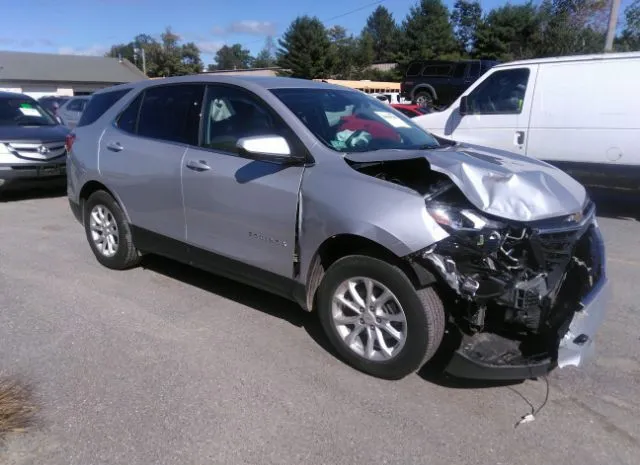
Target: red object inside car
[376, 129]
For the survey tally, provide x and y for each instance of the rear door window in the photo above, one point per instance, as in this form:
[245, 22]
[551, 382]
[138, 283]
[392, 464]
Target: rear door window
[171, 113]
[414, 69]
[474, 70]
[128, 119]
[459, 70]
[98, 104]
[75, 105]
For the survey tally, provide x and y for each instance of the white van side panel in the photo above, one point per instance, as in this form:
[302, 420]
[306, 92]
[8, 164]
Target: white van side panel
[586, 113]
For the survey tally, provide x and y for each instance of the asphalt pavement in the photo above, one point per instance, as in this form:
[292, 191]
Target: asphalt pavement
[165, 364]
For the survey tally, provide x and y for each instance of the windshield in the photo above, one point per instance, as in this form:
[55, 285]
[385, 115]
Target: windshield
[20, 111]
[350, 121]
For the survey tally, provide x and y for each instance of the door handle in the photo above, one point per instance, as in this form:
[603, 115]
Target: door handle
[114, 146]
[198, 165]
[518, 138]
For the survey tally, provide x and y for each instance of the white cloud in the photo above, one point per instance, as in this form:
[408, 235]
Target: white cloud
[247, 26]
[209, 47]
[95, 50]
[27, 43]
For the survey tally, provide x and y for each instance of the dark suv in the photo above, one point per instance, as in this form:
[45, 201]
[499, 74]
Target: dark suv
[440, 82]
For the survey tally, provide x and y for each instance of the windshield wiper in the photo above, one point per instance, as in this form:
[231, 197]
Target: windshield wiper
[427, 147]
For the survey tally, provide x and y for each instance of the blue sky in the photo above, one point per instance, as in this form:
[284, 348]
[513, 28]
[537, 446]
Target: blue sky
[92, 26]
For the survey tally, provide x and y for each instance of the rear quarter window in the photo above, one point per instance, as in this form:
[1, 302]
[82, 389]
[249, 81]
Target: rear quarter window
[99, 104]
[414, 69]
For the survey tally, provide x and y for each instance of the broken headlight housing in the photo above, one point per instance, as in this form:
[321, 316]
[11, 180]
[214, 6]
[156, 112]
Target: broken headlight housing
[461, 218]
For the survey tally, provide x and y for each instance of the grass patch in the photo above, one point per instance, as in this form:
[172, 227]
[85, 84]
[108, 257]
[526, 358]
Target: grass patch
[17, 407]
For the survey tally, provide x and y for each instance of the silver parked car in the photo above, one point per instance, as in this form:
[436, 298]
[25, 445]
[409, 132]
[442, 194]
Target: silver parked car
[32, 144]
[71, 110]
[330, 198]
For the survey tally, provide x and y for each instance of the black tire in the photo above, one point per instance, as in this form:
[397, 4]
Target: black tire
[423, 98]
[126, 256]
[423, 310]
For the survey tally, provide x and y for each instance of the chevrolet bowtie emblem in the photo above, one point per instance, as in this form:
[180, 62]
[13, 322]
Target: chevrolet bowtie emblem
[574, 218]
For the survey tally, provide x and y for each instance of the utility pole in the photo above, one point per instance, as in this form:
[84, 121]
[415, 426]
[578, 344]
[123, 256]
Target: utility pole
[140, 51]
[613, 23]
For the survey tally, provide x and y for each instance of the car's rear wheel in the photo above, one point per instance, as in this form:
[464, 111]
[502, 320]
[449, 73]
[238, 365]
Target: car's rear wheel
[108, 232]
[375, 318]
[423, 99]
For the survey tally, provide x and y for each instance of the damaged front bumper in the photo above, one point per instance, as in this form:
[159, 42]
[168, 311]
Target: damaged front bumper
[494, 355]
[575, 348]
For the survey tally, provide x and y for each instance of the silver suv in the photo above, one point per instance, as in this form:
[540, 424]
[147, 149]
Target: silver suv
[330, 198]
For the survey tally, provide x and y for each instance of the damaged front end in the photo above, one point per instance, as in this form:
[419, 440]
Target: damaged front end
[526, 297]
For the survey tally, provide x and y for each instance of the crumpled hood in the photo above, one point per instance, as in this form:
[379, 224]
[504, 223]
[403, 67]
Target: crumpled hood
[33, 133]
[497, 182]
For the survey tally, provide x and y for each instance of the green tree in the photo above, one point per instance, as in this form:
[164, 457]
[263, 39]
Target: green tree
[384, 33]
[233, 57]
[427, 32]
[166, 57]
[509, 32]
[465, 18]
[305, 49]
[572, 27]
[266, 58]
[629, 40]
[343, 53]
[365, 51]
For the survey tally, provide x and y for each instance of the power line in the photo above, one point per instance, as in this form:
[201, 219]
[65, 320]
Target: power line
[364, 7]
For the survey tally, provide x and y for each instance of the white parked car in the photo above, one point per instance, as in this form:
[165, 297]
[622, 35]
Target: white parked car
[580, 113]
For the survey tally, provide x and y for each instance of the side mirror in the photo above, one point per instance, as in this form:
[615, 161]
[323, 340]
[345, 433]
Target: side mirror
[266, 148]
[464, 106]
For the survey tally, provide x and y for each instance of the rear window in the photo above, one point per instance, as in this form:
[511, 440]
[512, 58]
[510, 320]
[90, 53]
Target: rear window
[99, 104]
[437, 70]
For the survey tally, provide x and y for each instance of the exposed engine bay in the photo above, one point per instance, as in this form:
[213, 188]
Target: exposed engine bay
[512, 285]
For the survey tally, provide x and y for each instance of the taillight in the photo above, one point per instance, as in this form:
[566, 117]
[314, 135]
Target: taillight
[68, 141]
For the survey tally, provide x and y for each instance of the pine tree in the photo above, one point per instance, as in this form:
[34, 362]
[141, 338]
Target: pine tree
[466, 17]
[305, 49]
[510, 32]
[383, 30]
[428, 33]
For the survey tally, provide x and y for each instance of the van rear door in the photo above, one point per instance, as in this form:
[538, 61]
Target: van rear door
[498, 109]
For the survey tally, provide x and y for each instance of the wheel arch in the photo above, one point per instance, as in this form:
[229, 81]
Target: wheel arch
[421, 87]
[341, 245]
[93, 186]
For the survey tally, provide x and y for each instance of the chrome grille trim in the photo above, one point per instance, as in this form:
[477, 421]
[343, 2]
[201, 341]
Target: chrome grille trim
[37, 150]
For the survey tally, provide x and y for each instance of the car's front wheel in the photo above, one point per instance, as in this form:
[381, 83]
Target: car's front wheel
[108, 232]
[375, 318]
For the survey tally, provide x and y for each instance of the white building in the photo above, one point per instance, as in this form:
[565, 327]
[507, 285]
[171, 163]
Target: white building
[40, 74]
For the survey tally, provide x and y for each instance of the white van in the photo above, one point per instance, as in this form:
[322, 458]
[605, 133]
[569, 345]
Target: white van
[580, 113]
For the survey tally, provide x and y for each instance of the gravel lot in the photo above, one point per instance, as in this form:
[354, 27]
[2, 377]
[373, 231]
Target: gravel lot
[168, 365]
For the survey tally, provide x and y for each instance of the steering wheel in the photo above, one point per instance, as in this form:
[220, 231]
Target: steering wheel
[352, 136]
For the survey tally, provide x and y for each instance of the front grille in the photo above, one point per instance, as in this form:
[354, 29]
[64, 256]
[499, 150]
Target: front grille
[555, 248]
[37, 150]
[554, 242]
